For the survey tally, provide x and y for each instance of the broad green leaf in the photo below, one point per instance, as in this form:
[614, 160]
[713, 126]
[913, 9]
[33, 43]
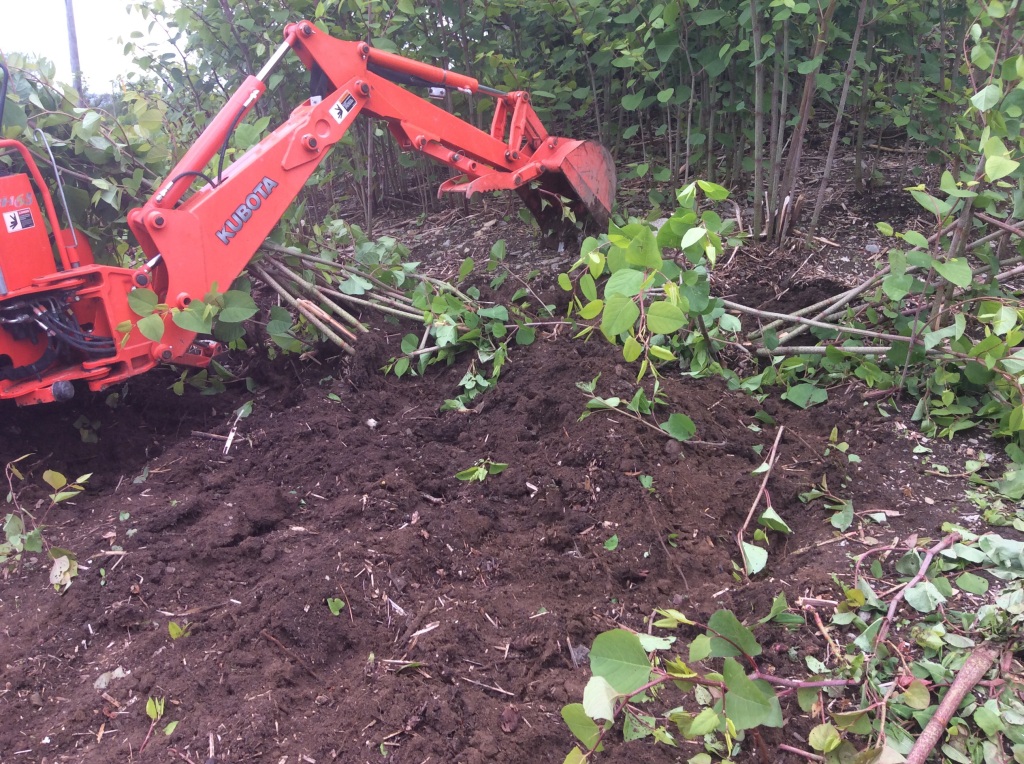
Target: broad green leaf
[924, 597]
[746, 704]
[620, 314]
[679, 426]
[152, 327]
[497, 312]
[631, 349]
[997, 167]
[581, 725]
[916, 239]
[54, 479]
[651, 643]
[142, 301]
[805, 395]
[700, 648]
[466, 268]
[824, 738]
[611, 545]
[665, 318]
[971, 583]
[599, 699]
[619, 657]
[632, 101]
[692, 236]
[935, 206]
[591, 310]
[987, 97]
[756, 558]
[575, 756]
[770, 519]
[916, 695]
[956, 271]
[238, 306]
[192, 319]
[729, 637]
[714, 191]
[626, 282]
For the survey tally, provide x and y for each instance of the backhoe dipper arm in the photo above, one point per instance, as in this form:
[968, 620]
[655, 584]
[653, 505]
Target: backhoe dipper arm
[207, 239]
[57, 327]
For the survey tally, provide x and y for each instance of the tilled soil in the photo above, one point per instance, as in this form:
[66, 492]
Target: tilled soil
[466, 603]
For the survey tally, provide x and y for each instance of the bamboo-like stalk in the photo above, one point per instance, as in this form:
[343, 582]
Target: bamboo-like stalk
[820, 324]
[291, 300]
[310, 289]
[336, 295]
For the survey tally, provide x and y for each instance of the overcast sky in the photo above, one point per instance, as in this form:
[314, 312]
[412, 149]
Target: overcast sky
[39, 26]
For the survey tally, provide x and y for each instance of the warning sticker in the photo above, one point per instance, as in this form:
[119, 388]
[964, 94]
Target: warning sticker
[19, 220]
[342, 107]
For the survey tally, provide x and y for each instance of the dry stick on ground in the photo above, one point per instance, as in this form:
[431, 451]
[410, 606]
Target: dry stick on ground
[770, 461]
[883, 630]
[974, 668]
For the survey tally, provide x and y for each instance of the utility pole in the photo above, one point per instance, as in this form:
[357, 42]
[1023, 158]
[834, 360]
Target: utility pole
[76, 66]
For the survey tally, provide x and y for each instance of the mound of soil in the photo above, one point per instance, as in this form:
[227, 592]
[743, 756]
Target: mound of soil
[468, 605]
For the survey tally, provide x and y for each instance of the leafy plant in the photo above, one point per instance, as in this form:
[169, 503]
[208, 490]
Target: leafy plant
[482, 470]
[677, 426]
[179, 631]
[336, 605]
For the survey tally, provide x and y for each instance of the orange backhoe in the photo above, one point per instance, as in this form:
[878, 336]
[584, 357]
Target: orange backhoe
[60, 313]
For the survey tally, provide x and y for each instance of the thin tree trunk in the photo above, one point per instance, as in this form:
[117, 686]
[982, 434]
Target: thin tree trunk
[826, 175]
[806, 101]
[76, 64]
[755, 22]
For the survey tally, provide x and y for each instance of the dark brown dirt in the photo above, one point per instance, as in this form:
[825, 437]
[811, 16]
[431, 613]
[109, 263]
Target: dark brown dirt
[464, 600]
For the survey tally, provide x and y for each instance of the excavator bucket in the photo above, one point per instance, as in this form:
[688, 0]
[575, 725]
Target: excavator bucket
[577, 186]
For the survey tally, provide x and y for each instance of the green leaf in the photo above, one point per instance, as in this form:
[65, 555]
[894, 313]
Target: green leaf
[497, 312]
[806, 67]
[770, 519]
[746, 705]
[824, 738]
[679, 426]
[997, 167]
[937, 207]
[619, 657]
[626, 282]
[581, 725]
[755, 558]
[169, 729]
[632, 101]
[971, 583]
[152, 327]
[599, 699]
[700, 648]
[575, 756]
[620, 314]
[664, 318]
[611, 545]
[915, 239]
[805, 395]
[956, 271]
[631, 349]
[924, 597]
[729, 637]
[591, 310]
[238, 306]
[987, 97]
[714, 191]
[54, 479]
[142, 301]
[916, 695]
[193, 319]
